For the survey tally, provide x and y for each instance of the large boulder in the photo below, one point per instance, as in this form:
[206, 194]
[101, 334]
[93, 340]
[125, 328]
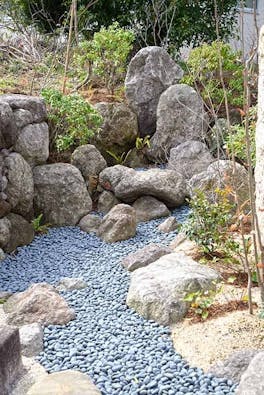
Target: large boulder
[150, 72]
[129, 184]
[180, 117]
[40, 303]
[119, 129]
[33, 104]
[8, 128]
[252, 382]
[20, 187]
[60, 194]
[190, 158]
[144, 257]
[21, 231]
[88, 160]
[31, 339]
[68, 382]
[156, 292]
[148, 208]
[33, 143]
[119, 224]
[220, 175]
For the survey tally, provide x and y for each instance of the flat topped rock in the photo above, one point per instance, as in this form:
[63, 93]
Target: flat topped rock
[67, 382]
[35, 105]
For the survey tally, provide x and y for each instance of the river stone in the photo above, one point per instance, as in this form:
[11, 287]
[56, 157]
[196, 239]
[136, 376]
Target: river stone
[169, 225]
[70, 284]
[40, 303]
[60, 194]
[150, 72]
[31, 339]
[156, 292]
[8, 128]
[252, 382]
[148, 208]
[5, 231]
[144, 257]
[20, 187]
[180, 117]
[119, 130]
[90, 223]
[220, 175]
[119, 224]
[33, 143]
[88, 160]
[34, 104]
[22, 118]
[128, 184]
[22, 232]
[68, 382]
[190, 158]
[106, 202]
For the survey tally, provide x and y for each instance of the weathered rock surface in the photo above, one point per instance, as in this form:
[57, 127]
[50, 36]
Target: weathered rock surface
[10, 358]
[157, 291]
[119, 129]
[119, 224]
[40, 303]
[5, 232]
[69, 284]
[2, 255]
[220, 175]
[33, 143]
[22, 118]
[148, 208]
[33, 104]
[181, 244]
[180, 117]
[150, 72]
[145, 256]
[20, 187]
[190, 158]
[22, 232]
[31, 339]
[252, 382]
[169, 225]
[8, 128]
[88, 160]
[106, 202]
[5, 208]
[90, 223]
[68, 382]
[128, 184]
[60, 194]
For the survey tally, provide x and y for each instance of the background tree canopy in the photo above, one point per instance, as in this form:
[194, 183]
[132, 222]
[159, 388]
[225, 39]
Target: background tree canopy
[155, 22]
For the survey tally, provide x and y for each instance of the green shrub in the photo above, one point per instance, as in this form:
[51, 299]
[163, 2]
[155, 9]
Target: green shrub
[107, 55]
[204, 73]
[73, 120]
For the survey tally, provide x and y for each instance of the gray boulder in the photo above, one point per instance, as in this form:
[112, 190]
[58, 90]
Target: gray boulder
[22, 232]
[106, 202]
[128, 184]
[20, 187]
[40, 303]
[33, 143]
[119, 224]
[220, 175]
[8, 128]
[119, 129]
[31, 339]
[156, 292]
[144, 257]
[22, 118]
[88, 160]
[5, 231]
[60, 194]
[190, 158]
[252, 382]
[180, 117]
[33, 104]
[169, 225]
[148, 208]
[90, 223]
[150, 72]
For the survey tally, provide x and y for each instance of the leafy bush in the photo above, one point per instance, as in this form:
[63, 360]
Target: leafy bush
[236, 141]
[203, 68]
[106, 54]
[208, 223]
[202, 300]
[73, 120]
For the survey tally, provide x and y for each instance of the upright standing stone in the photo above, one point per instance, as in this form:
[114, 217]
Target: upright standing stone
[10, 358]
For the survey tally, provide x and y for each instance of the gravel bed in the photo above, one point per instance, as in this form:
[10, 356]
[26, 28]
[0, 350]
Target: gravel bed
[123, 353]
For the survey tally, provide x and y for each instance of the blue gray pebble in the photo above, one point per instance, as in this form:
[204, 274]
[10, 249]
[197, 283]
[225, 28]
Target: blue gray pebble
[122, 352]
